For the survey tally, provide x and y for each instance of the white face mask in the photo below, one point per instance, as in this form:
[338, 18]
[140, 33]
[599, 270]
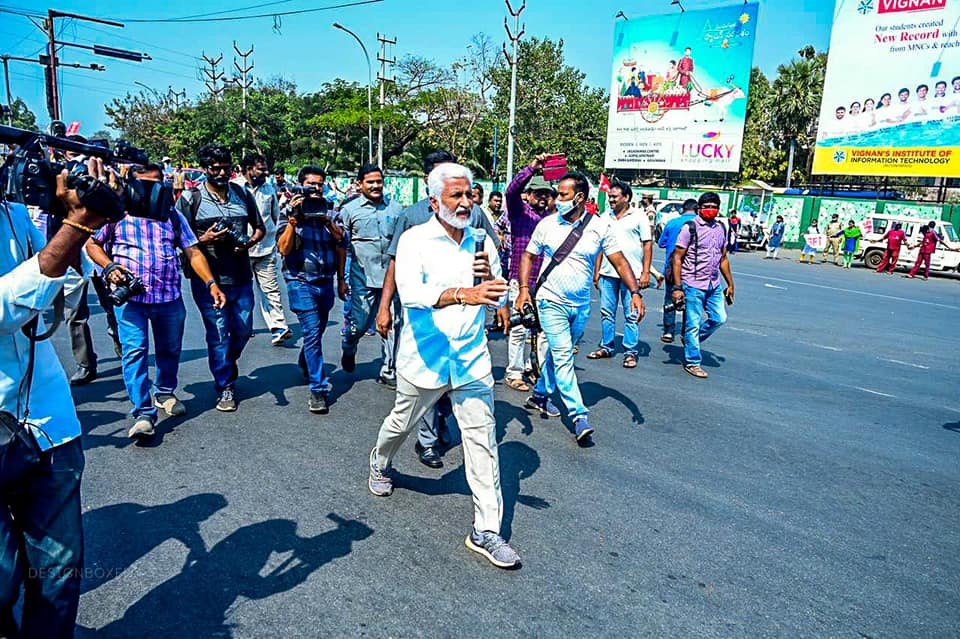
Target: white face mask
[450, 217]
[564, 208]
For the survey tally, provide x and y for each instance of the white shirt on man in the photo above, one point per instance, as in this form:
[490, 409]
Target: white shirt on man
[632, 230]
[569, 283]
[440, 346]
[265, 196]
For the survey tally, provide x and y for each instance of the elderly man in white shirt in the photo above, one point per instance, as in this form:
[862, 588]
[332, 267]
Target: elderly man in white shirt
[41, 540]
[563, 296]
[443, 349]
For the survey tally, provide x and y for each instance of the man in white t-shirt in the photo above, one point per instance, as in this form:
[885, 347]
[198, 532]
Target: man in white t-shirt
[633, 235]
[563, 293]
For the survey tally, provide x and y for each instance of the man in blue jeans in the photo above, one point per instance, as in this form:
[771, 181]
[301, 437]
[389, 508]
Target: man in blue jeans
[632, 228]
[146, 248]
[563, 296]
[668, 242]
[699, 260]
[313, 247]
[219, 213]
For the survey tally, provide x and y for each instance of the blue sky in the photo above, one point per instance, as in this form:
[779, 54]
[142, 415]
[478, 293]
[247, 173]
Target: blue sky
[309, 51]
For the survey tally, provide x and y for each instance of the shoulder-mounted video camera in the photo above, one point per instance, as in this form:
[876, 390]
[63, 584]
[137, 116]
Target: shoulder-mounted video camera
[29, 175]
[312, 207]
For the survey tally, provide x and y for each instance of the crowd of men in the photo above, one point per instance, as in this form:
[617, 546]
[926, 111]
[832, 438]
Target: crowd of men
[426, 277]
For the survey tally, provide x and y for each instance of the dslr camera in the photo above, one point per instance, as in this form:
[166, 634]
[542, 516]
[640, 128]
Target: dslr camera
[121, 293]
[676, 305]
[233, 237]
[526, 317]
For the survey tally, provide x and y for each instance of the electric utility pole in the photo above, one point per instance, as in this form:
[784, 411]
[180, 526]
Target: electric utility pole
[514, 37]
[176, 97]
[213, 75]
[384, 61]
[244, 81]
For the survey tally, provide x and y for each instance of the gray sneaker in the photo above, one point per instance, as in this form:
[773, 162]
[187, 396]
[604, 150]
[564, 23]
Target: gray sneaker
[227, 403]
[169, 403]
[317, 404]
[379, 482]
[492, 546]
[143, 427]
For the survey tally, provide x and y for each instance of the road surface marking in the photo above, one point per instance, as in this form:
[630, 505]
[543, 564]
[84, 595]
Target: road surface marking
[779, 288]
[849, 290]
[747, 330]
[824, 347]
[897, 361]
[873, 392]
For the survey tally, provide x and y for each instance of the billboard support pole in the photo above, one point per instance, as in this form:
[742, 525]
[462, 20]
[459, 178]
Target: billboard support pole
[793, 143]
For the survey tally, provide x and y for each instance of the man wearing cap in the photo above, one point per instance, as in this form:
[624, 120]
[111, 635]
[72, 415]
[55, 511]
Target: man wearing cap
[523, 213]
[834, 229]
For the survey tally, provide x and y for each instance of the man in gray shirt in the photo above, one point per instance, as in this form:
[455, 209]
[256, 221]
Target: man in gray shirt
[369, 221]
[389, 318]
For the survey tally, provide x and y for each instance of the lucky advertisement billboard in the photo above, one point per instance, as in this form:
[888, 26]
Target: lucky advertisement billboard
[678, 94]
[891, 99]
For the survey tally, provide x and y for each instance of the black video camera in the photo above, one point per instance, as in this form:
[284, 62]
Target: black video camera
[304, 189]
[312, 207]
[232, 237]
[674, 306]
[526, 317]
[30, 176]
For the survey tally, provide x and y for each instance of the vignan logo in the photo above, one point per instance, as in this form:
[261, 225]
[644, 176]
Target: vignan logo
[711, 135]
[897, 6]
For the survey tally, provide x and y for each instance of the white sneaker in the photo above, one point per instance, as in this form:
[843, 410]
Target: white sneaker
[143, 427]
[169, 403]
[280, 335]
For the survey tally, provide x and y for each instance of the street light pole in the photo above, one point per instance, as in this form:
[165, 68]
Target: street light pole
[514, 37]
[6, 81]
[150, 89]
[337, 25]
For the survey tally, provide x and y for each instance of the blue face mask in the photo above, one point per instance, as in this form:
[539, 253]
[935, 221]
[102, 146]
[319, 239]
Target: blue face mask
[564, 208]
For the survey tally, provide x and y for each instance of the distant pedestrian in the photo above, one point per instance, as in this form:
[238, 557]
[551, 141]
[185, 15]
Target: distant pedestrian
[776, 239]
[733, 242]
[809, 251]
[851, 242]
[833, 240]
[895, 238]
[928, 246]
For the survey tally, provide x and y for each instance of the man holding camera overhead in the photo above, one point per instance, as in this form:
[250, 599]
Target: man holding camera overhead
[219, 213]
[41, 457]
[313, 247]
[138, 255]
[570, 242]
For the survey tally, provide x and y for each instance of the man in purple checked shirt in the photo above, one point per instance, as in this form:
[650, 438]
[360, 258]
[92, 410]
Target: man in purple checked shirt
[147, 248]
[523, 213]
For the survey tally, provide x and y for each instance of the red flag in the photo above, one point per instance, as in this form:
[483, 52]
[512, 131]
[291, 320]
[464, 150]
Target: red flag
[74, 128]
[604, 183]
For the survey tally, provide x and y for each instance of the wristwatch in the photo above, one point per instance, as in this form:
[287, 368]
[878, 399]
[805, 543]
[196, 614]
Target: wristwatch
[637, 292]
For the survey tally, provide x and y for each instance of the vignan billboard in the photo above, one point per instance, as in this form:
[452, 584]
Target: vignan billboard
[678, 95]
[891, 100]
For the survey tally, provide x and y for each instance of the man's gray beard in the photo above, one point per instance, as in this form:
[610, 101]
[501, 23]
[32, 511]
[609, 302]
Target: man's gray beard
[450, 217]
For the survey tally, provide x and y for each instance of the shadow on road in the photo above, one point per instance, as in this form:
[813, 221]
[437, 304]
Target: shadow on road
[593, 393]
[196, 602]
[517, 462]
[954, 426]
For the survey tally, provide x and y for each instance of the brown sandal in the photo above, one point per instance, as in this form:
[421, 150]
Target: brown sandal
[517, 385]
[629, 361]
[600, 353]
[696, 371]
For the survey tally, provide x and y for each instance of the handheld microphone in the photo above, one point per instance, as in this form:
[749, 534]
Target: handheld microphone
[479, 247]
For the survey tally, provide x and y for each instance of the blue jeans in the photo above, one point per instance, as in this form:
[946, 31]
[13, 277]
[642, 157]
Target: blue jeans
[41, 545]
[347, 303]
[311, 302]
[228, 329]
[166, 320]
[612, 292]
[365, 302]
[697, 328]
[562, 326]
[669, 318]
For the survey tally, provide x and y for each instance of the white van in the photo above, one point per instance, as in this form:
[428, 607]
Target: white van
[876, 224]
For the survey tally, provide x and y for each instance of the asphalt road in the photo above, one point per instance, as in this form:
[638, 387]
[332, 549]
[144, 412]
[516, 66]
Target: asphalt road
[809, 488]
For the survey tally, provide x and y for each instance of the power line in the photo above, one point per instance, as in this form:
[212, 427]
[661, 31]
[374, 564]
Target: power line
[144, 43]
[250, 17]
[234, 10]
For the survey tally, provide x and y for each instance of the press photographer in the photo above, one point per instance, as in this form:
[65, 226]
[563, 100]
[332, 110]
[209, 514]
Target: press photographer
[138, 255]
[41, 458]
[314, 250]
[219, 213]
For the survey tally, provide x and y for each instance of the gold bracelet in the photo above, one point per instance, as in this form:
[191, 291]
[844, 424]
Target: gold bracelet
[79, 227]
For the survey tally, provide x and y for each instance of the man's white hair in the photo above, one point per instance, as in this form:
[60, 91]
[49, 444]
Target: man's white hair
[447, 171]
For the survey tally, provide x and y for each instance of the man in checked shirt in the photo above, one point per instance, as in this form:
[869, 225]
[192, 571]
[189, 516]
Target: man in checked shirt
[147, 249]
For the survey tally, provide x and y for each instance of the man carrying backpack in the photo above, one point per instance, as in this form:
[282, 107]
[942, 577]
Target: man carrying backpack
[219, 212]
[700, 258]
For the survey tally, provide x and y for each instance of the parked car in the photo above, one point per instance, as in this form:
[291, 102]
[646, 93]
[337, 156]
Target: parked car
[872, 248]
[666, 211]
